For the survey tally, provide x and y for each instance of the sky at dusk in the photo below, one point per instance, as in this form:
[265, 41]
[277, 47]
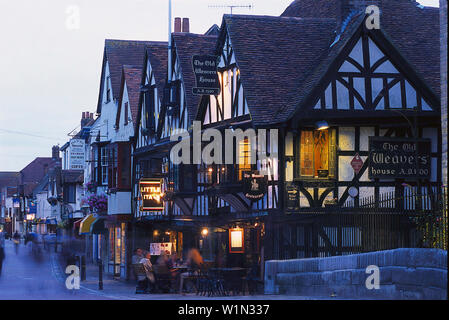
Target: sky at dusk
[50, 61]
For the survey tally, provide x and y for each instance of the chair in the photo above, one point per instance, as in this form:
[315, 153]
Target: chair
[139, 270]
[163, 277]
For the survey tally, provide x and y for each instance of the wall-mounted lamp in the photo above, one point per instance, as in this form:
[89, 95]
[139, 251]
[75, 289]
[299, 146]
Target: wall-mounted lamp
[155, 233]
[204, 232]
[321, 125]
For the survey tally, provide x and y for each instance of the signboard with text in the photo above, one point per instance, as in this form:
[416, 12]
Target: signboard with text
[151, 194]
[206, 76]
[255, 186]
[76, 154]
[399, 158]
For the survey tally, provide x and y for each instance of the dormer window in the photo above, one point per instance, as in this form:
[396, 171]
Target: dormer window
[126, 113]
[149, 109]
[108, 90]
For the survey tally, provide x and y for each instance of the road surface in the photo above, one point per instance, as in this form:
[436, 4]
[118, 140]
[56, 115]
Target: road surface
[24, 277]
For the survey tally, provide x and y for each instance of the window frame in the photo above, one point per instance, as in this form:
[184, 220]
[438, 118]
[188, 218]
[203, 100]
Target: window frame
[332, 163]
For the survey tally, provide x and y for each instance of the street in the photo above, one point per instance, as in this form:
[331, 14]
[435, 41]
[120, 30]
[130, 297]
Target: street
[24, 278]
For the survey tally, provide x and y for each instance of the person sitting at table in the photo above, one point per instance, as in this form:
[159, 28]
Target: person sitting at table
[194, 263]
[149, 279]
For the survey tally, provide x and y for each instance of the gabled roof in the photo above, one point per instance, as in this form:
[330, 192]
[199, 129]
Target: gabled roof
[187, 45]
[274, 55]
[131, 75]
[412, 28]
[119, 53]
[157, 53]
[37, 169]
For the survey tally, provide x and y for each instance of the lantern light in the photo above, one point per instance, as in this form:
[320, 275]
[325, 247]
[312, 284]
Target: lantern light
[322, 125]
[204, 232]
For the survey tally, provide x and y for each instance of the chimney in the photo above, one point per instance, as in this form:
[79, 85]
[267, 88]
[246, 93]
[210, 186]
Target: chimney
[55, 152]
[85, 118]
[177, 24]
[185, 25]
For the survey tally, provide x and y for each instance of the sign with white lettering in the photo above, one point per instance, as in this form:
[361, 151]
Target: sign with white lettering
[399, 158]
[254, 185]
[151, 194]
[205, 70]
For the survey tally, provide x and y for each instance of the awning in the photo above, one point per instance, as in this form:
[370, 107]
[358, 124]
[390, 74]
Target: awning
[77, 223]
[86, 223]
[97, 226]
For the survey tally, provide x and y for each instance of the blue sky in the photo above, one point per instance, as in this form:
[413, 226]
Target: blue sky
[51, 64]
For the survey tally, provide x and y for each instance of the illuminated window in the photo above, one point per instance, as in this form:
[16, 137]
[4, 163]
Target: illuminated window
[244, 153]
[317, 153]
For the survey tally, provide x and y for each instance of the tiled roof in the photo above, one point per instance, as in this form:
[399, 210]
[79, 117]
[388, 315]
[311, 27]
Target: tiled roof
[119, 53]
[157, 52]
[186, 46]
[274, 55]
[37, 169]
[132, 75]
[9, 179]
[412, 28]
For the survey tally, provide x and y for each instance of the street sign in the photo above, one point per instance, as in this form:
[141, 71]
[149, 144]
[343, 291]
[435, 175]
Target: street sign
[206, 76]
[357, 163]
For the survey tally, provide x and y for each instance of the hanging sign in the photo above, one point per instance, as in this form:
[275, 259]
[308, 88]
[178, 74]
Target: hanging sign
[236, 240]
[399, 158]
[255, 185]
[292, 194]
[151, 194]
[357, 163]
[206, 76]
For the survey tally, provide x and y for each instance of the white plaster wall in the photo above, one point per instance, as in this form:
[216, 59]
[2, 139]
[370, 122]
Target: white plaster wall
[346, 138]
[119, 203]
[345, 171]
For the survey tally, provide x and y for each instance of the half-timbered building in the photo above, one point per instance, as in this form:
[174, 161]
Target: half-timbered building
[108, 169]
[174, 108]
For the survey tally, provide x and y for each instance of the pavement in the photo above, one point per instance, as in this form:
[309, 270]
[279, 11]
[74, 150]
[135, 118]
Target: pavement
[26, 278]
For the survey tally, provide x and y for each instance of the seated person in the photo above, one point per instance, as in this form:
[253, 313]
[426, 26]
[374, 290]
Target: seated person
[149, 278]
[194, 262]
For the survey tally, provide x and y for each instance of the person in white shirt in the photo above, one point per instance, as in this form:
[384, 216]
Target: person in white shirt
[148, 270]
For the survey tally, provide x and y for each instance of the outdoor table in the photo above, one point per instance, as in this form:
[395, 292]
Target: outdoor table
[232, 278]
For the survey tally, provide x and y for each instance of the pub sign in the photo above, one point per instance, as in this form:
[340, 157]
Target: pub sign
[399, 158]
[206, 76]
[151, 194]
[255, 186]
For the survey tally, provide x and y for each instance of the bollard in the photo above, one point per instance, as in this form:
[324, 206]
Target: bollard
[100, 274]
[83, 268]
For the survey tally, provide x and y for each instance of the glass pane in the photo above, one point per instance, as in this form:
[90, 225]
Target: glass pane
[306, 153]
[321, 153]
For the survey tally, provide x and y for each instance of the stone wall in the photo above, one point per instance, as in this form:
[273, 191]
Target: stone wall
[404, 274]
